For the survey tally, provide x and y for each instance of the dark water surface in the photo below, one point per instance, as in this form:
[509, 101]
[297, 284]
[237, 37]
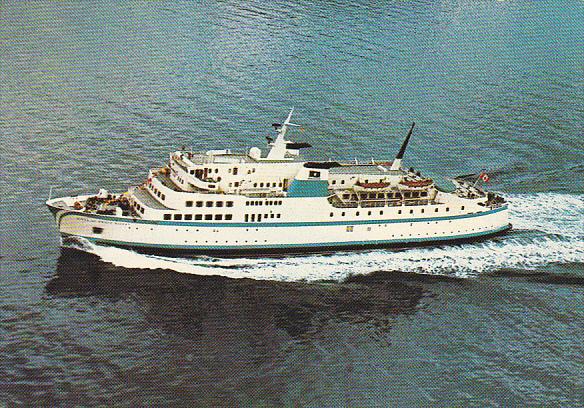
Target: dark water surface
[93, 93]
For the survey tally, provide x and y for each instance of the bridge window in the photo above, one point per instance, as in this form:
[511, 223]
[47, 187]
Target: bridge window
[167, 217]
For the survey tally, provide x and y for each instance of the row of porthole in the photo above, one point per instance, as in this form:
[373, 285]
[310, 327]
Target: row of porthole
[156, 191]
[268, 202]
[252, 217]
[332, 214]
[198, 217]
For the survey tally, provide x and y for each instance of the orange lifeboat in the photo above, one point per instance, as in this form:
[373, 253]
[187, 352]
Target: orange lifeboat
[417, 183]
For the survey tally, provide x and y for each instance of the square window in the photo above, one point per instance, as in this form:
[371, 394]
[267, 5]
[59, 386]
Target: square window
[208, 217]
[198, 217]
[219, 204]
[218, 217]
[189, 203]
[178, 216]
[228, 217]
[167, 216]
[209, 204]
[199, 203]
[278, 215]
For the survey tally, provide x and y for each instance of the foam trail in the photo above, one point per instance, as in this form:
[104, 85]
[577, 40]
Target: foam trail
[557, 217]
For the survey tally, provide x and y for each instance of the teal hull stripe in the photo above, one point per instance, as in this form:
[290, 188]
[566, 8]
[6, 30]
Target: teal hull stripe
[287, 224]
[308, 245]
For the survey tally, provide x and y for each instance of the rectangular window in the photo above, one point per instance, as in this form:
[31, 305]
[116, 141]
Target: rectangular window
[97, 230]
[313, 174]
[237, 184]
[198, 217]
[199, 203]
[178, 216]
[246, 217]
[228, 217]
[219, 204]
[253, 218]
[167, 216]
[278, 215]
[209, 204]
[235, 171]
[259, 217]
[163, 197]
[189, 203]
[188, 217]
[218, 217]
[208, 217]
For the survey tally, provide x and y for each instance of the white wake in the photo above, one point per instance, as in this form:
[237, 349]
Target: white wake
[548, 228]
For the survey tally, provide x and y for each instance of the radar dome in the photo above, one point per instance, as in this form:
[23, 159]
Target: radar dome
[255, 153]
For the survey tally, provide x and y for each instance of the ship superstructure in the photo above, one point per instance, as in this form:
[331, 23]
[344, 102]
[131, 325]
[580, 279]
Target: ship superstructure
[272, 201]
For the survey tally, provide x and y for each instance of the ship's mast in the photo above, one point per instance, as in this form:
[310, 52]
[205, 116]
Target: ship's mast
[396, 165]
[278, 150]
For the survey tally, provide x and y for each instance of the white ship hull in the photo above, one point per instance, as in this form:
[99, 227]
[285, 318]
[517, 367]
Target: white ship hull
[283, 236]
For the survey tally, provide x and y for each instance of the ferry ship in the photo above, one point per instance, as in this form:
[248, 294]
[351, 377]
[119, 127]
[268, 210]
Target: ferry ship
[263, 201]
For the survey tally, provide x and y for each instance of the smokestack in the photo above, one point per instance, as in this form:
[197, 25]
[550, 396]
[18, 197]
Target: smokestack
[396, 165]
